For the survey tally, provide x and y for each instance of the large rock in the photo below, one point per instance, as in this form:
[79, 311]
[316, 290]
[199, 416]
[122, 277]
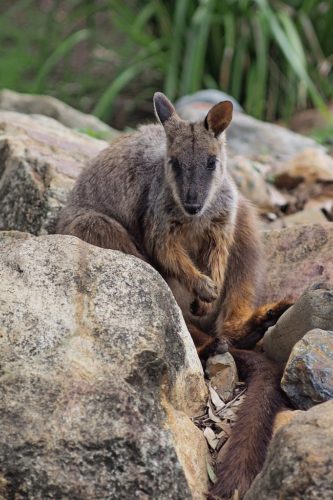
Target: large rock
[39, 162]
[99, 377]
[296, 258]
[309, 166]
[267, 142]
[308, 376]
[52, 107]
[299, 461]
[314, 309]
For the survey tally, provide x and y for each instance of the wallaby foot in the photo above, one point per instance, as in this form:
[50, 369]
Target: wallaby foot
[255, 327]
[205, 344]
[102, 231]
[200, 308]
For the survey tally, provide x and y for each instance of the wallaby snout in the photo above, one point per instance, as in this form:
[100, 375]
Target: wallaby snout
[191, 197]
[192, 208]
[192, 204]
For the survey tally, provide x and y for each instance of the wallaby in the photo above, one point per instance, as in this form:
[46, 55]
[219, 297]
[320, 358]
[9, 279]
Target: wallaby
[164, 194]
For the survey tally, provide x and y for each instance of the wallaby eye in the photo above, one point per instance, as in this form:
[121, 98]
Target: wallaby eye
[211, 163]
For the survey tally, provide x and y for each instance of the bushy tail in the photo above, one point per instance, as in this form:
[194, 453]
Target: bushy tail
[243, 456]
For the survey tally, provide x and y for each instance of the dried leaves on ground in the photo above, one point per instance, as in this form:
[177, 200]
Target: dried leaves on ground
[216, 423]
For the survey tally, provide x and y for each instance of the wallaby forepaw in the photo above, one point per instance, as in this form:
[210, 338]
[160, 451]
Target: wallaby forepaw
[200, 308]
[216, 346]
[206, 289]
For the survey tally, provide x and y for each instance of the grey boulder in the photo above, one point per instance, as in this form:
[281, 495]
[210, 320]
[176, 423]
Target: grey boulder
[99, 377]
[39, 162]
[314, 309]
[46, 105]
[299, 461]
[308, 376]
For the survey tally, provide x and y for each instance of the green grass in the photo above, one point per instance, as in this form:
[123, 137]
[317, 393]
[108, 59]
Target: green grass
[324, 135]
[275, 57]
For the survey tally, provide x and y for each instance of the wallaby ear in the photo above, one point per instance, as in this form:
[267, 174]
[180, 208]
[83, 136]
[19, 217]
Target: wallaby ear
[219, 117]
[163, 107]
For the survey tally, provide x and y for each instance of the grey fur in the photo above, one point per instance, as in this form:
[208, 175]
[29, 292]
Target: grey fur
[131, 198]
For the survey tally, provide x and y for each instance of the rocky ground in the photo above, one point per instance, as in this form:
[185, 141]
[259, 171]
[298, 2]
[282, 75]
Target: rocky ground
[101, 385]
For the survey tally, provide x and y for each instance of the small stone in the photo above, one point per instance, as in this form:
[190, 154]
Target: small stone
[308, 376]
[222, 371]
[314, 309]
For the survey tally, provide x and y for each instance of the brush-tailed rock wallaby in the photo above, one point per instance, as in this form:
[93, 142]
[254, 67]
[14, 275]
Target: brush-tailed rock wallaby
[164, 194]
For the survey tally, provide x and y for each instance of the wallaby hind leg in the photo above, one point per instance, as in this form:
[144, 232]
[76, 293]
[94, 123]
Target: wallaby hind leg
[244, 325]
[261, 319]
[101, 231]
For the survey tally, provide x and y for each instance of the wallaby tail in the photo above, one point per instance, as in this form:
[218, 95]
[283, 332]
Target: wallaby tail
[242, 458]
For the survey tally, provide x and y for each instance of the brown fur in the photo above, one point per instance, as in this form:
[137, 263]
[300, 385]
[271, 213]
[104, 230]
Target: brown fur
[243, 456]
[163, 194]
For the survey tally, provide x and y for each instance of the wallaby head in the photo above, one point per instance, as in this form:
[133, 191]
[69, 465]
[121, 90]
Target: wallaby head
[195, 159]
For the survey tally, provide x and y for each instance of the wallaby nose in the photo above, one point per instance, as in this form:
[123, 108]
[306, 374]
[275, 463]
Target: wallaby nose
[191, 197]
[192, 208]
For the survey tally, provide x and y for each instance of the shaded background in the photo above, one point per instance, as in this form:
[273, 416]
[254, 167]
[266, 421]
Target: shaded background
[109, 56]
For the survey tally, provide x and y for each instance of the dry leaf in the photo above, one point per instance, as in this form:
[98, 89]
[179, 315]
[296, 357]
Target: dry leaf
[212, 415]
[226, 428]
[228, 414]
[221, 435]
[210, 437]
[211, 474]
[216, 400]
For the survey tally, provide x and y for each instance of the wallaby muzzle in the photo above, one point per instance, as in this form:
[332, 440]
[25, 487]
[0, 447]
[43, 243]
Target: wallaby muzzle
[192, 208]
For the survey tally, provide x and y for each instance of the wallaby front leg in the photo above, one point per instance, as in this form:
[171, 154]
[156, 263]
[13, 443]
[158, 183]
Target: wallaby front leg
[174, 259]
[219, 249]
[216, 263]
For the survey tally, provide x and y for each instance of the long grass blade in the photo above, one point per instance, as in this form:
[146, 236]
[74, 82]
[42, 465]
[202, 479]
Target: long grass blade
[289, 52]
[196, 47]
[177, 36]
[59, 53]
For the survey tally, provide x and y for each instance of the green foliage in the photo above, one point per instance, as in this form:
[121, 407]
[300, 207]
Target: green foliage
[324, 135]
[266, 54]
[274, 56]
